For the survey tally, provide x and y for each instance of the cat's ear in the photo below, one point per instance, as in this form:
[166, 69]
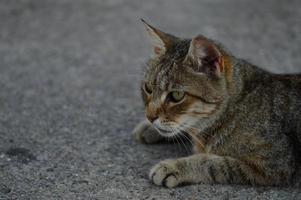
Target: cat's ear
[205, 57]
[161, 41]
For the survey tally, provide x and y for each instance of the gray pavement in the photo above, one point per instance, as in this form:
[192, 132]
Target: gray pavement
[69, 98]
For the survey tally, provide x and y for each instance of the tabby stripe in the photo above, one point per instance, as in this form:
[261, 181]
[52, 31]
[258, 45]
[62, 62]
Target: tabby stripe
[212, 173]
[230, 171]
[242, 174]
[256, 169]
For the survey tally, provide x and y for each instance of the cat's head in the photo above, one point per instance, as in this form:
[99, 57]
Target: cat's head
[184, 86]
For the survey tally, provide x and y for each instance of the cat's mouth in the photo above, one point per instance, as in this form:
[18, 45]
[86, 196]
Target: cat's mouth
[165, 133]
[164, 130]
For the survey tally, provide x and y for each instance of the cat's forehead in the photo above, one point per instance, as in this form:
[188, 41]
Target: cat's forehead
[165, 76]
[166, 72]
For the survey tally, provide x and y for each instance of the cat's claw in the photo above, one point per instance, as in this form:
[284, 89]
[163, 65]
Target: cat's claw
[166, 174]
[145, 133]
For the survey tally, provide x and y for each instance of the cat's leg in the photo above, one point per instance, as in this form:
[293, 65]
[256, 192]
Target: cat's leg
[144, 132]
[207, 168]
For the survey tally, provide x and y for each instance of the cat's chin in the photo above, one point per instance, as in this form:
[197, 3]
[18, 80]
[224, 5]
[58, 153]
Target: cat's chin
[163, 130]
[165, 133]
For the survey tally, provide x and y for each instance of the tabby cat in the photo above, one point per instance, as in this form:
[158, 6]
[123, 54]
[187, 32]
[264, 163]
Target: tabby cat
[244, 122]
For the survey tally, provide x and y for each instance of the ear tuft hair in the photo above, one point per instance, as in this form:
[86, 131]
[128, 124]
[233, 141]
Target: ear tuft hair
[161, 41]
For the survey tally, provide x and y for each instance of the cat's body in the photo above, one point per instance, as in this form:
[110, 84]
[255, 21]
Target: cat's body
[245, 123]
[260, 126]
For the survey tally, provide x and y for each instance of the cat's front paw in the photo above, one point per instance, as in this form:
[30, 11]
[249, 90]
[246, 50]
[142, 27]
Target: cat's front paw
[146, 133]
[167, 173]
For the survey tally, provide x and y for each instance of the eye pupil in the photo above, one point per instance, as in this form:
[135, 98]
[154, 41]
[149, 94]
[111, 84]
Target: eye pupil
[177, 96]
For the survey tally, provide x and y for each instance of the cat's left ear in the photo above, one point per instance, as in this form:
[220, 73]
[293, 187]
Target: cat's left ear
[205, 57]
[161, 41]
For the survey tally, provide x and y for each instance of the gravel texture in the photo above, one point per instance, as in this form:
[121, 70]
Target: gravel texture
[69, 98]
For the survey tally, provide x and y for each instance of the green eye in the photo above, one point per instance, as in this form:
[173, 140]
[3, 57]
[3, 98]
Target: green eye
[177, 96]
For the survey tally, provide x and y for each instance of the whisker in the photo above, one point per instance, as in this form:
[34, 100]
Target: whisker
[204, 132]
[187, 149]
[193, 135]
[178, 139]
[187, 138]
[175, 136]
[178, 143]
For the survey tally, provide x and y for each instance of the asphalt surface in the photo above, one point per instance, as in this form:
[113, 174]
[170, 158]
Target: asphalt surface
[69, 98]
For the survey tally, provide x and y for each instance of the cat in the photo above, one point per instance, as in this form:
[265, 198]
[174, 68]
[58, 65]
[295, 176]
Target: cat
[244, 122]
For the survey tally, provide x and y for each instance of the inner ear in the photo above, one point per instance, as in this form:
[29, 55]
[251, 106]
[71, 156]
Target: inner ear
[204, 57]
[161, 41]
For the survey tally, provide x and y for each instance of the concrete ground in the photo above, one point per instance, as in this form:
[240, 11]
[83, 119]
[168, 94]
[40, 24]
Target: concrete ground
[69, 99]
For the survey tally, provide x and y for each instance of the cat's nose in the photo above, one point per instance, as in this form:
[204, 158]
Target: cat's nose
[151, 118]
[152, 112]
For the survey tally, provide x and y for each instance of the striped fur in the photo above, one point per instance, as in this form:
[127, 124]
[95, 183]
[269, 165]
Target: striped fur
[244, 123]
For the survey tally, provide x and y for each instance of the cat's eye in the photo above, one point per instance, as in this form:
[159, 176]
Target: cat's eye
[177, 96]
[147, 88]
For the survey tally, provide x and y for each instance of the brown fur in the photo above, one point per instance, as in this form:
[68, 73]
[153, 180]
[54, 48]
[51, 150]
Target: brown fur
[244, 122]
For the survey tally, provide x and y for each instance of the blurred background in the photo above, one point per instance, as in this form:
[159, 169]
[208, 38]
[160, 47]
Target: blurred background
[69, 97]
